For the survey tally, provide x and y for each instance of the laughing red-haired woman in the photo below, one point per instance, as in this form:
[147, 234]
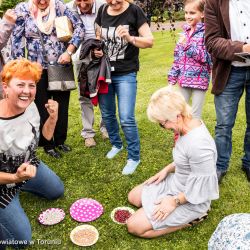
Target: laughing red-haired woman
[20, 169]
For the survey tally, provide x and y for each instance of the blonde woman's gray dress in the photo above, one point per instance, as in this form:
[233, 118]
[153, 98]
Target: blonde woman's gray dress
[195, 175]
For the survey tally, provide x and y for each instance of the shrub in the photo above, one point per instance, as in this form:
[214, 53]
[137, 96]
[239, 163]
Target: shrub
[7, 4]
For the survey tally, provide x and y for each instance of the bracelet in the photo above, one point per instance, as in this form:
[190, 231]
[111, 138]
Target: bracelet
[69, 52]
[177, 201]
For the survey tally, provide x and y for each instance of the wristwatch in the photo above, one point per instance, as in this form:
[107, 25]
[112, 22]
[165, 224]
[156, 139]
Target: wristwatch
[177, 201]
[69, 52]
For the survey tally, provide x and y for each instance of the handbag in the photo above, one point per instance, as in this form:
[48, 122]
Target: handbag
[60, 76]
[64, 28]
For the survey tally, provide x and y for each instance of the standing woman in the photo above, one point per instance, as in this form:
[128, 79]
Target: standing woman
[124, 29]
[7, 24]
[37, 16]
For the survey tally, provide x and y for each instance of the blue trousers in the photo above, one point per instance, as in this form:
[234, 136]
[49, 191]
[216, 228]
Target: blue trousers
[226, 105]
[14, 223]
[125, 88]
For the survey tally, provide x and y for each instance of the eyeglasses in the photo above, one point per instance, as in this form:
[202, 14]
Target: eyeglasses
[162, 125]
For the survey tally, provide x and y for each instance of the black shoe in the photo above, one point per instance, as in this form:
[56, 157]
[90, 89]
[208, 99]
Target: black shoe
[247, 171]
[198, 220]
[220, 175]
[65, 148]
[52, 152]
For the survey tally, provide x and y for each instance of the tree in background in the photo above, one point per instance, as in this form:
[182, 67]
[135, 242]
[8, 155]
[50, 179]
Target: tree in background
[152, 8]
[159, 11]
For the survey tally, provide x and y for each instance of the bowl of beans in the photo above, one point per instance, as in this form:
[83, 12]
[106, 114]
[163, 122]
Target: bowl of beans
[120, 215]
[84, 235]
[51, 216]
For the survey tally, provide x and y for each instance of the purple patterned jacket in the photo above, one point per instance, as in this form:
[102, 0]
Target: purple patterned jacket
[192, 63]
[26, 27]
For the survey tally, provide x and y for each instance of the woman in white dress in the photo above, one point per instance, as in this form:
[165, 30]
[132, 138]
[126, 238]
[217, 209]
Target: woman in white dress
[183, 190]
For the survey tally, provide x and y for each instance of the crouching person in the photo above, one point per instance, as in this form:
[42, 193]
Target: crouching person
[20, 169]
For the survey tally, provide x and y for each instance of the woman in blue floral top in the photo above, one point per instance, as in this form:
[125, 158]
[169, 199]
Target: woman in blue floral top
[40, 14]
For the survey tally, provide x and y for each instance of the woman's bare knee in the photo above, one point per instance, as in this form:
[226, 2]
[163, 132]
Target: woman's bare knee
[134, 196]
[133, 227]
[130, 197]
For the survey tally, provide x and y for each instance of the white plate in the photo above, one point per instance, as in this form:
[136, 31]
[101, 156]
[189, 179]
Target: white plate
[84, 242]
[112, 215]
[51, 216]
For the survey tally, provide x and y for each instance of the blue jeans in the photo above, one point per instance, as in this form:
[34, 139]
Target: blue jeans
[125, 87]
[14, 223]
[226, 105]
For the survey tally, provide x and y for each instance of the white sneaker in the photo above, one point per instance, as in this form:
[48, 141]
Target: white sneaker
[113, 152]
[130, 167]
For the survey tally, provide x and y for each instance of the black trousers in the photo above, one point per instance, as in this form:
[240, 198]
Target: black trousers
[62, 97]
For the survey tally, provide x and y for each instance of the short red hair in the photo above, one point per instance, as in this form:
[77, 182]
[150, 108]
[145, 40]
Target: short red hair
[22, 69]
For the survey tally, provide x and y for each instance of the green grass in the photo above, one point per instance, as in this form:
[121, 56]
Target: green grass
[87, 173]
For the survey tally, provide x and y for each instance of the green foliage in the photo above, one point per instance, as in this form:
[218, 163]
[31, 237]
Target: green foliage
[178, 16]
[8, 4]
[87, 173]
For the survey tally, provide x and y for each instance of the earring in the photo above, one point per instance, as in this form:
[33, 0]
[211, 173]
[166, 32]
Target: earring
[6, 96]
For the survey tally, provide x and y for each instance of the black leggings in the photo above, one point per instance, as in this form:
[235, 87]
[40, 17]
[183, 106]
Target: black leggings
[62, 97]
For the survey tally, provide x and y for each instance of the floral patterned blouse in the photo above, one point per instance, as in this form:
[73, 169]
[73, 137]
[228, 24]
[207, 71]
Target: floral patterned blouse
[26, 27]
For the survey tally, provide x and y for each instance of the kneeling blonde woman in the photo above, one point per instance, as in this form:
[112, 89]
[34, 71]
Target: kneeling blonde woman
[183, 190]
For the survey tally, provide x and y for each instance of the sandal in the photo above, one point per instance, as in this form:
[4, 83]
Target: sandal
[198, 220]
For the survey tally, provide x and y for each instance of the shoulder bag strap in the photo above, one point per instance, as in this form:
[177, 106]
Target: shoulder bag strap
[41, 38]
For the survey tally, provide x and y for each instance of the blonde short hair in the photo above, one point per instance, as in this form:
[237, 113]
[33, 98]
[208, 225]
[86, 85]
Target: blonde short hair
[166, 104]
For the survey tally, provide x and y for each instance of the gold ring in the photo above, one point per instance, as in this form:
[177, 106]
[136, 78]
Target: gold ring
[161, 212]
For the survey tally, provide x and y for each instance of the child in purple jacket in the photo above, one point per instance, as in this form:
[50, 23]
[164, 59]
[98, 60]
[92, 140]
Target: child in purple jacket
[192, 63]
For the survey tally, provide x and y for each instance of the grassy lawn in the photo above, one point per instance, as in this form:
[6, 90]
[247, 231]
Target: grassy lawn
[87, 173]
